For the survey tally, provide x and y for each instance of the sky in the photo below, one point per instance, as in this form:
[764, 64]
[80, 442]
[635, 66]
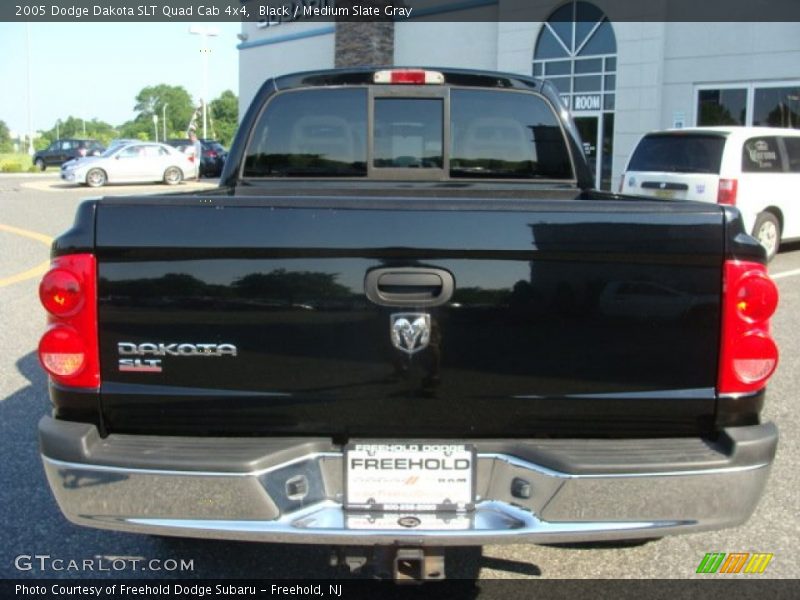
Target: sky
[95, 70]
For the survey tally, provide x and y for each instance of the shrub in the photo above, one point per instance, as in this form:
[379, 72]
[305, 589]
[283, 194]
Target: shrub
[10, 167]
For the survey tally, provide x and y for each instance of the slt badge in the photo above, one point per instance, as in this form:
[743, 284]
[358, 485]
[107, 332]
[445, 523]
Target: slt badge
[410, 332]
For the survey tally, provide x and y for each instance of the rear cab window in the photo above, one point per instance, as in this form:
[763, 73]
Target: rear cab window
[505, 135]
[678, 153]
[382, 133]
[408, 132]
[311, 133]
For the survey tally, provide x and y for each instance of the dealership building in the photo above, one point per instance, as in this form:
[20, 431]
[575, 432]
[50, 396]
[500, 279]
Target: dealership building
[620, 78]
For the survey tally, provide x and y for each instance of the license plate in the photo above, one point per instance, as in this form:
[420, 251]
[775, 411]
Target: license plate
[664, 193]
[409, 477]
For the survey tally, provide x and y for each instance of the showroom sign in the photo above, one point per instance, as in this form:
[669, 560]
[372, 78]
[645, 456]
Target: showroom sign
[586, 102]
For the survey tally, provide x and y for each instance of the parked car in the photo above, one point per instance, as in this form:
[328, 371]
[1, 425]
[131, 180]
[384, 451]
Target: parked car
[115, 143]
[129, 163]
[182, 144]
[213, 159]
[328, 351]
[756, 169]
[213, 156]
[61, 151]
[122, 142]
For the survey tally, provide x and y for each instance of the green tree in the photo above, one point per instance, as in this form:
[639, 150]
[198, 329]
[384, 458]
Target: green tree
[224, 116]
[151, 101]
[5, 138]
[41, 142]
[74, 127]
[136, 128]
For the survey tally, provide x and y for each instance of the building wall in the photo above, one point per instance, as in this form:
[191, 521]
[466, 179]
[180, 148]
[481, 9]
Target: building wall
[469, 45]
[364, 43]
[515, 43]
[640, 55]
[709, 53]
[281, 49]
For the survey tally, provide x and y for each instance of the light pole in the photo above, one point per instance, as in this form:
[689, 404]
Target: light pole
[28, 56]
[204, 32]
[164, 120]
[155, 125]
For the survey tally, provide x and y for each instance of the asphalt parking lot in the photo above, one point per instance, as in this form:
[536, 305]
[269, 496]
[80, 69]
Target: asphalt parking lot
[35, 208]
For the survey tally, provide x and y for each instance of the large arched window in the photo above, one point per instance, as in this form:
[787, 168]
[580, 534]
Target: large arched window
[577, 51]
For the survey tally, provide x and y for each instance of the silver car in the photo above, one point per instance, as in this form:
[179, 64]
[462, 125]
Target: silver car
[130, 163]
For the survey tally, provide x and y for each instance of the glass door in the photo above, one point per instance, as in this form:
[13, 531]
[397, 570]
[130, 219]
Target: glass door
[606, 151]
[589, 129]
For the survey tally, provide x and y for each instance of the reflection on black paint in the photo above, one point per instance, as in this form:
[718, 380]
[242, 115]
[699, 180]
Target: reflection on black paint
[530, 334]
[278, 288]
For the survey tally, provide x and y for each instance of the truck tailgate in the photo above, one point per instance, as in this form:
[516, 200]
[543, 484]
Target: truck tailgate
[569, 317]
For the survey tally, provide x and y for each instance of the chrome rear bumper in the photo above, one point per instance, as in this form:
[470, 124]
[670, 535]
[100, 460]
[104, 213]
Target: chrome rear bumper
[580, 490]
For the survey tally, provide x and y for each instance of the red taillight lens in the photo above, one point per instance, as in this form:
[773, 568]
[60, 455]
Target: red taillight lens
[726, 194]
[60, 292]
[412, 77]
[755, 358]
[748, 355]
[210, 154]
[757, 297]
[82, 151]
[69, 348]
[408, 77]
[62, 351]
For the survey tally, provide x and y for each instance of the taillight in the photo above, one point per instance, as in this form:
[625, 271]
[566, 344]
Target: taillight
[62, 351]
[69, 349]
[748, 354]
[727, 192]
[82, 151]
[408, 77]
[210, 154]
[60, 292]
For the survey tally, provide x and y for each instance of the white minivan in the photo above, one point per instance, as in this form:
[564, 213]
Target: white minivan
[756, 169]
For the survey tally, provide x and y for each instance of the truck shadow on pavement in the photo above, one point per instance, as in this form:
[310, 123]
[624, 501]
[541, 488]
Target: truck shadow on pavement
[33, 524]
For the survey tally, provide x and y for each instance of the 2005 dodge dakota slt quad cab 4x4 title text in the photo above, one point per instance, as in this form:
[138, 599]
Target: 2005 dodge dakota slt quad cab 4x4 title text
[405, 321]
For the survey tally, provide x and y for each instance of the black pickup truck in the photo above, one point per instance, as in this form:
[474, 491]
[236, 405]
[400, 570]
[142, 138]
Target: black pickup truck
[405, 321]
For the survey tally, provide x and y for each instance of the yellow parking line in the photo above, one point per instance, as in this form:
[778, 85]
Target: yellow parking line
[785, 274]
[39, 269]
[39, 237]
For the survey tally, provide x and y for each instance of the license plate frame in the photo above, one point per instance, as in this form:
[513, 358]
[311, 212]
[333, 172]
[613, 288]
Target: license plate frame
[409, 476]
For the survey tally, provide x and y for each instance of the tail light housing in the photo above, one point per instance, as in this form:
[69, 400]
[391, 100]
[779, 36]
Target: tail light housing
[748, 354]
[68, 350]
[408, 77]
[726, 194]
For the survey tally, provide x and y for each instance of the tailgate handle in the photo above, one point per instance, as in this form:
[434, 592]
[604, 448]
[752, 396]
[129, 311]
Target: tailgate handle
[409, 286]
